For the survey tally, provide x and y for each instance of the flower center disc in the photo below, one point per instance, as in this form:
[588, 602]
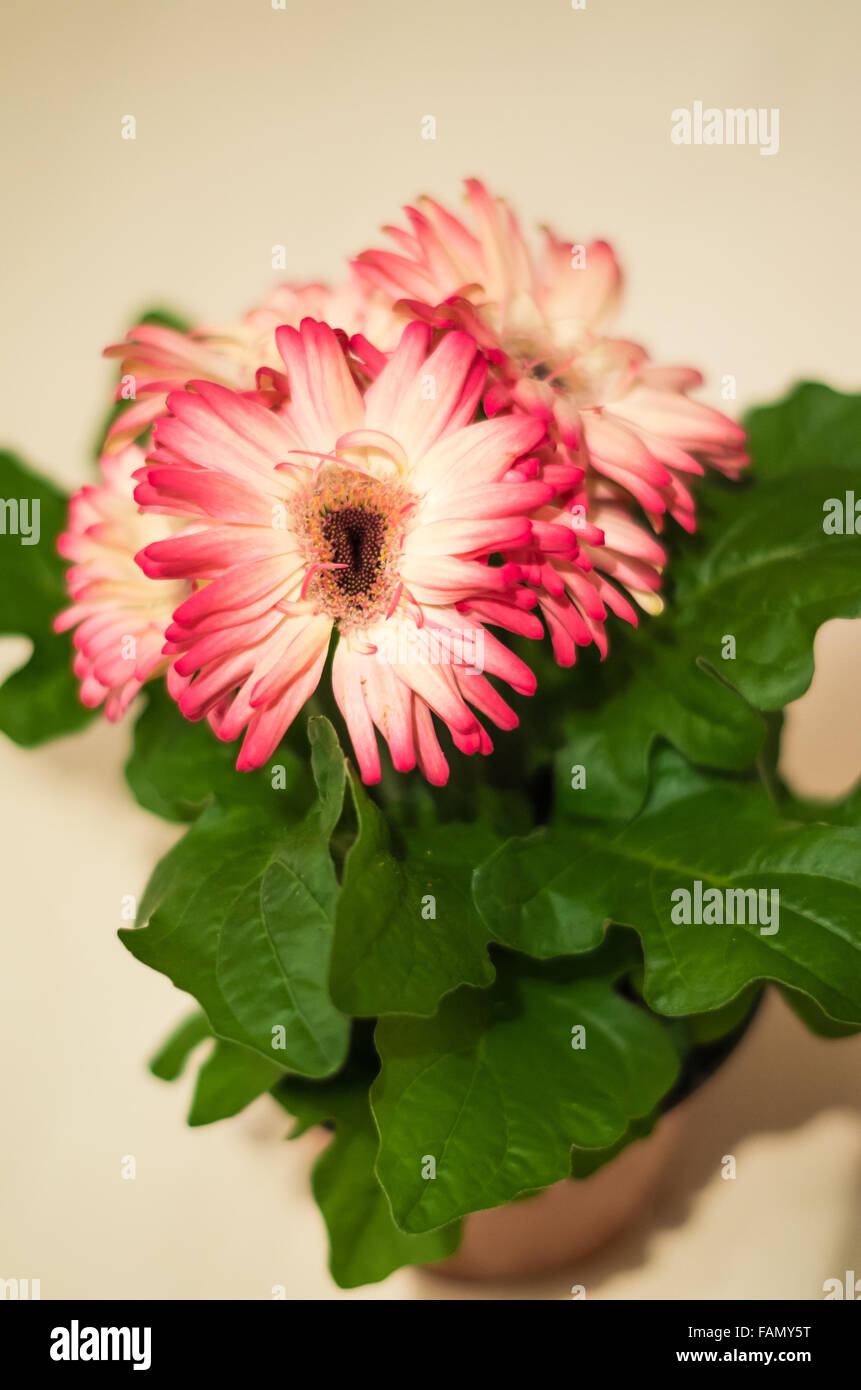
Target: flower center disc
[356, 536]
[352, 526]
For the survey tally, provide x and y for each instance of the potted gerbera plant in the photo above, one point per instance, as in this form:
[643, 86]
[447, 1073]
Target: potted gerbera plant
[330, 549]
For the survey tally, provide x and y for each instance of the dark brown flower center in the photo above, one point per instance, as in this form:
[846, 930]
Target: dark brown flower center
[541, 371]
[355, 536]
[351, 527]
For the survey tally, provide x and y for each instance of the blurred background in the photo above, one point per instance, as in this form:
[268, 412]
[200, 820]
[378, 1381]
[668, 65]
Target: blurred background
[301, 126]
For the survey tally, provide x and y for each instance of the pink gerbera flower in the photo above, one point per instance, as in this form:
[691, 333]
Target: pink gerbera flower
[119, 615]
[372, 514]
[626, 428]
[542, 322]
[156, 360]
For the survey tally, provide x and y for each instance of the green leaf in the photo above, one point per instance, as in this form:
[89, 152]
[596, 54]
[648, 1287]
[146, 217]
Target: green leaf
[811, 419]
[390, 953]
[177, 768]
[240, 914]
[814, 1018]
[769, 579]
[169, 1062]
[230, 1078]
[761, 570]
[40, 700]
[585, 1162]
[553, 893]
[845, 812]
[494, 1090]
[669, 695]
[709, 1027]
[365, 1243]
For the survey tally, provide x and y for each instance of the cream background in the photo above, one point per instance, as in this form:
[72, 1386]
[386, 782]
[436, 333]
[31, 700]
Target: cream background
[257, 127]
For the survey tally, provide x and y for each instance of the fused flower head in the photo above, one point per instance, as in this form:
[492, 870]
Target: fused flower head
[369, 514]
[625, 429]
[118, 614]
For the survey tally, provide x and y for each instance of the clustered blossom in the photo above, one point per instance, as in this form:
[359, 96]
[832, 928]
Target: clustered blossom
[450, 441]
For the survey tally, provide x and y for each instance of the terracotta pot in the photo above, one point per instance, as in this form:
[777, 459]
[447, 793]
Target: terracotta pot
[568, 1220]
